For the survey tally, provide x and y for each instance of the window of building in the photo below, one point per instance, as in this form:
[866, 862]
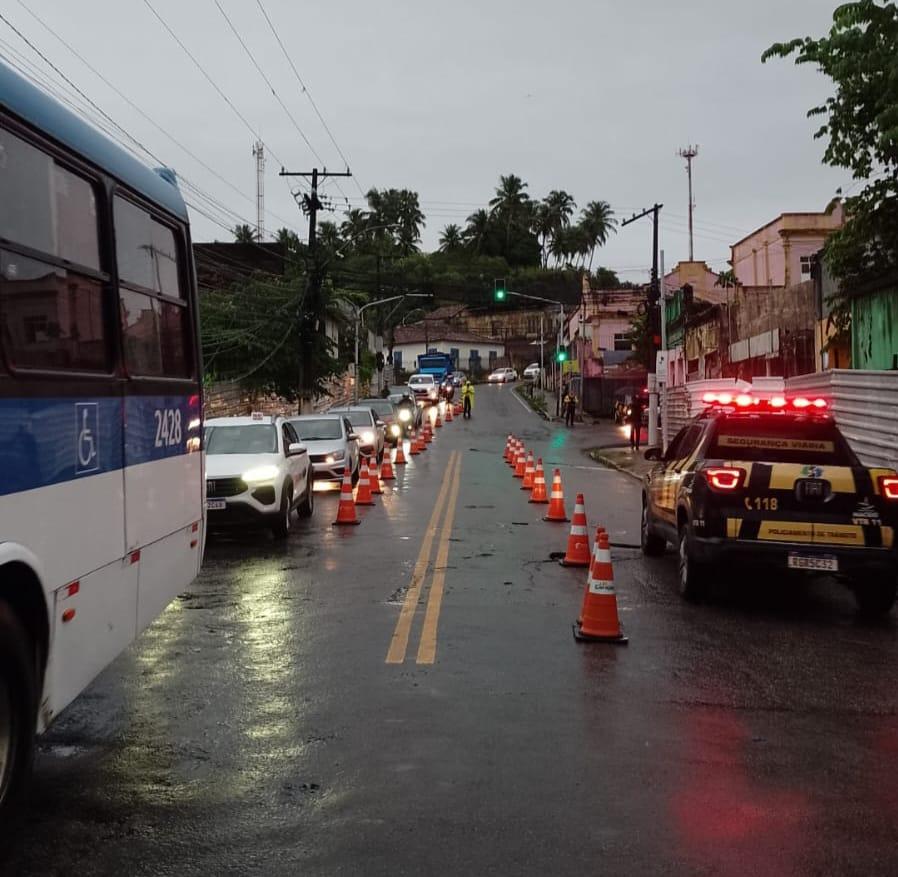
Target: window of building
[397, 360]
[806, 262]
[153, 308]
[622, 341]
[453, 354]
[493, 357]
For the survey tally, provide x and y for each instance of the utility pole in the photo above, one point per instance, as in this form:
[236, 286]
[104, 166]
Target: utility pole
[653, 320]
[689, 153]
[259, 153]
[312, 308]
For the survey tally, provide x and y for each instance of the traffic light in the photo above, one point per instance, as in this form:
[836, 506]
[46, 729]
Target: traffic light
[499, 291]
[561, 355]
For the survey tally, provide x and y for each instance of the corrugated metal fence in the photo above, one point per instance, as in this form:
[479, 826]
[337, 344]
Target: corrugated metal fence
[865, 407]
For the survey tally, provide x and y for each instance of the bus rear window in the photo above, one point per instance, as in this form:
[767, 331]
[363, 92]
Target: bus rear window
[778, 439]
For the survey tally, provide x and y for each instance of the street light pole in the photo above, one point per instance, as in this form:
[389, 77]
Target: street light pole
[358, 318]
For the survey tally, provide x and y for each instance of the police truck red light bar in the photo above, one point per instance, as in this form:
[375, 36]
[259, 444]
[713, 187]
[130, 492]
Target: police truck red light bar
[721, 479]
[743, 400]
[888, 486]
[778, 402]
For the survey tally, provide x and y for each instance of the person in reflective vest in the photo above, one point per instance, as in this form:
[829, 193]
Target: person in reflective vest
[467, 396]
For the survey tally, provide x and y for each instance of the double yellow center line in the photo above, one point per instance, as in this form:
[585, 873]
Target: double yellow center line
[427, 648]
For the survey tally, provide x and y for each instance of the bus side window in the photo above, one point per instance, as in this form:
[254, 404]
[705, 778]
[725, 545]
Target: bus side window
[154, 313]
[51, 283]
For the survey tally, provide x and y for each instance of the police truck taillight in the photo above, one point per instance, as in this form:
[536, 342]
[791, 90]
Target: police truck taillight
[724, 479]
[888, 487]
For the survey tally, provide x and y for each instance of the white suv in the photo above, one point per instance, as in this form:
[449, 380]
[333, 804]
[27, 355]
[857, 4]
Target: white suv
[502, 376]
[424, 388]
[257, 473]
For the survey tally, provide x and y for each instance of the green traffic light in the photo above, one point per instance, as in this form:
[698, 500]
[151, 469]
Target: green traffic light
[561, 356]
[500, 295]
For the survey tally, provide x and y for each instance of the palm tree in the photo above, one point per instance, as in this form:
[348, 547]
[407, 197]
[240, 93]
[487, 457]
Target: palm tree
[355, 227]
[563, 246]
[511, 202]
[542, 226]
[597, 219]
[329, 237]
[451, 238]
[477, 227]
[244, 234]
[726, 278]
[561, 206]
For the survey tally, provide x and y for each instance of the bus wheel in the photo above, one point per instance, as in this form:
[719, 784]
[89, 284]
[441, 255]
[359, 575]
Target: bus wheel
[18, 716]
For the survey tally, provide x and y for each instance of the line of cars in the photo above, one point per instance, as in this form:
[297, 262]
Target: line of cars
[262, 468]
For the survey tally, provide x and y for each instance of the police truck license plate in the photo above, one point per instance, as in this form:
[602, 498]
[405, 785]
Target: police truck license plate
[216, 505]
[813, 562]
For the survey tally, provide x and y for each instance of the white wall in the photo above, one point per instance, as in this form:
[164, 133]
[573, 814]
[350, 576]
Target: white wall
[410, 352]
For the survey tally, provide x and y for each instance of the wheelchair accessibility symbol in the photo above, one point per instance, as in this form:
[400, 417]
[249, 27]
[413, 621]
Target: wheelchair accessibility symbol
[87, 437]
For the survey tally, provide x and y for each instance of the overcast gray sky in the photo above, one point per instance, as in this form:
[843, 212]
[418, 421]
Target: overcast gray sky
[592, 96]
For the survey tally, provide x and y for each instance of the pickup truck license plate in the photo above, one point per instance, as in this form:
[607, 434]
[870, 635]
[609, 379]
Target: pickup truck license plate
[216, 505]
[815, 562]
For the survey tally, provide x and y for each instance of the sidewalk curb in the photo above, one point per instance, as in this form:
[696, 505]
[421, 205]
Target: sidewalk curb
[530, 408]
[610, 464]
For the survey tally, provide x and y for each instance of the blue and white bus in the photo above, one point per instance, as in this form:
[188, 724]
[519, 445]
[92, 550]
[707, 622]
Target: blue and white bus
[101, 465]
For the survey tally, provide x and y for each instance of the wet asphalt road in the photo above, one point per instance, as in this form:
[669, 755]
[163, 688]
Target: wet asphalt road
[257, 728]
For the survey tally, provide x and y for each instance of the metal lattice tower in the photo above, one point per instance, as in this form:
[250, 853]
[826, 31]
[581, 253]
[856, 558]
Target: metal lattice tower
[689, 153]
[259, 153]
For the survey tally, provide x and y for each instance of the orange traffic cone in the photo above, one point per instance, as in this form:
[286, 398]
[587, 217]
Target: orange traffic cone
[428, 433]
[520, 465]
[400, 453]
[538, 494]
[422, 445]
[599, 620]
[516, 448]
[448, 413]
[363, 489]
[414, 448]
[373, 476]
[438, 423]
[507, 450]
[527, 483]
[346, 509]
[577, 553]
[556, 503]
[600, 531]
[386, 467]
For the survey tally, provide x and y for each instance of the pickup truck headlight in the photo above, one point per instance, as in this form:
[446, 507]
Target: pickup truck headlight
[260, 474]
[367, 437]
[405, 415]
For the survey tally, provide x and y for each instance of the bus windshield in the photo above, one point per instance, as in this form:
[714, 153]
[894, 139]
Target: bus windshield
[251, 439]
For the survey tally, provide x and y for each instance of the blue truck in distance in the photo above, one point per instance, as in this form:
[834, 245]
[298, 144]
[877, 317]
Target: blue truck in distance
[440, 365]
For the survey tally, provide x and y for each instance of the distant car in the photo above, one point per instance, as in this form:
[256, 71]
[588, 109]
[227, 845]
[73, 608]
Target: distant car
[502, 376]
[389, 414]
[532, 372]
[368, 426]
[332, 444]
[257, 473]
[458, 378]
[410, 414]
[424, 388]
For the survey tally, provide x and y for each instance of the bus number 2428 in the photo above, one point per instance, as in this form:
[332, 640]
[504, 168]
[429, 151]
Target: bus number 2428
[168, 427]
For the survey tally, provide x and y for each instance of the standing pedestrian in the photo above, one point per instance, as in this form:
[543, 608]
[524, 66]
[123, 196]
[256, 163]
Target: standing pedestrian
[636, 409]
[570, 408]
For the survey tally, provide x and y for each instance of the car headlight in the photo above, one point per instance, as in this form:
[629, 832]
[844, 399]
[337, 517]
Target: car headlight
[395, 429]
[335, 456]
[368, 437]
[432, 394]
[405, 415]
[260, 474]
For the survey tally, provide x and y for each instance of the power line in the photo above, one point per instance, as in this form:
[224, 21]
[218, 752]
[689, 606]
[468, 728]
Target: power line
[308, 94]
[267, 81]
[140, 111]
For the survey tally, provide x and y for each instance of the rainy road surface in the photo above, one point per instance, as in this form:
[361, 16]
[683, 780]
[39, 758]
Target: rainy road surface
[285, 716]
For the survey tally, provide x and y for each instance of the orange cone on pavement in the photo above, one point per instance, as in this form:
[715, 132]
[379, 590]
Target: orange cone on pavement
[578, 553]
[428, 433]
[438, 423]
[516, 448]
[599, 620]
[346, 510]
[386, 467]
[400, 453]
[520, 465]
[374, 477]
[422, 445]
[448, 412]
[556, 501]
[507, 448]
[363, 489]
[414, 449]
[529, 471]
[538, 494]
